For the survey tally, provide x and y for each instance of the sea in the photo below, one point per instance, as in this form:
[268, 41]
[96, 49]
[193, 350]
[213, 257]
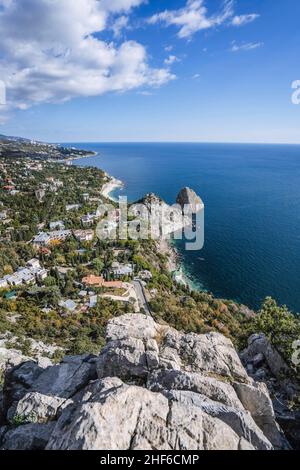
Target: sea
[252, 210]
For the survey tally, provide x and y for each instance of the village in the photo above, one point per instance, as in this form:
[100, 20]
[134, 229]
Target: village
[117, 279]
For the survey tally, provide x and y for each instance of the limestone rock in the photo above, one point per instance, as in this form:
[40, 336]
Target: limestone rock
[27, 437]
[118, 416]
[36, 407]
[152, 387]
[259, 345]
[188, 197]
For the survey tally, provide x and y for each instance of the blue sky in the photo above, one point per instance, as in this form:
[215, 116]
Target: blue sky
[128, 70]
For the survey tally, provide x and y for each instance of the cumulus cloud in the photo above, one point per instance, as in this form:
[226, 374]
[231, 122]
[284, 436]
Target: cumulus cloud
[244, 19]
[193, 17]
[171, 60]
[249, 46]
[54, 50]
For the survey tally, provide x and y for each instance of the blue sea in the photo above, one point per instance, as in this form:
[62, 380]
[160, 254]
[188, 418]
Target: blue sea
[252, 216]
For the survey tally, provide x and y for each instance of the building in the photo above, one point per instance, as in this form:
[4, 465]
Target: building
[99, 281]
[34, 263]
[3, 283]
[69, 305]
[93, 301]
[42, 239]
[59, 225]
[73, 207]
[86, 197]
[145, 275]
[45, 238]
[26, 276]
[120, 270]
[84, 235]
[14, 280]
[88, 220]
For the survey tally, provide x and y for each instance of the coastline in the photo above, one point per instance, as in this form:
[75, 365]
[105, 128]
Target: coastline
[110, 187]
[164, 246]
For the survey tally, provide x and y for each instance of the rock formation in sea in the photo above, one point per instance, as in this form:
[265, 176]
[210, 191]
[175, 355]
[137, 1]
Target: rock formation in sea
[188, 197]
[152, 387]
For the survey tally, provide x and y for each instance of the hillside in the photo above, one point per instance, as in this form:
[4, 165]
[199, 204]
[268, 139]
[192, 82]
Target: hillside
[17, 147]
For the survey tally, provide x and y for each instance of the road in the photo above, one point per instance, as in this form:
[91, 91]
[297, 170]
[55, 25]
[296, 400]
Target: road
[139, 289]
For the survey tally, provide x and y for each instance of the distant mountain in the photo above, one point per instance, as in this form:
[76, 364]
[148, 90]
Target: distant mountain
[12, 138]
[18, 147]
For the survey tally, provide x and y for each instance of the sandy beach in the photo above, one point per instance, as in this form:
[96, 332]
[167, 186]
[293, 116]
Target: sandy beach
[111, 186]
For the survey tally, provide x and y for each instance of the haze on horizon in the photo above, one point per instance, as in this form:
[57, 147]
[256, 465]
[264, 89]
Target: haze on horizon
[150, 71]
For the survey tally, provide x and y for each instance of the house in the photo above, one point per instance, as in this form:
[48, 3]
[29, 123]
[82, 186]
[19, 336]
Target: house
[72, 207]
[59, 235]
[26, 276]
[3, 215]
[88, 220]
[69, 305]
[145, 275]
[14, 280]
[93, 301]
[120, 270]
[41, 274]
[99, 281]
[83, 294]
[42, 239]
[93, 281]
[84, 235]
[86, 197]
[59, 225]
[3, 283]
[34, 263]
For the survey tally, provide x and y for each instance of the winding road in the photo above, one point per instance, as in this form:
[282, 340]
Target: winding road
[140, 292]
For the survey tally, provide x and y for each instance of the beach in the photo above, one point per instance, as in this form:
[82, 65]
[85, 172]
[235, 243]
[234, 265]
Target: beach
[110, 187]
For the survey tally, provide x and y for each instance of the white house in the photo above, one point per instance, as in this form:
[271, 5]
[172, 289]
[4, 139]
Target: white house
[120, 270]
[58, 225]
[3, 283]
[34, 263]
[84, 235]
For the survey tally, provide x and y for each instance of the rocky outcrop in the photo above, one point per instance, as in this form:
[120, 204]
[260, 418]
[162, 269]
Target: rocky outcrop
[188, 197]
[152, 387]
[270, 371]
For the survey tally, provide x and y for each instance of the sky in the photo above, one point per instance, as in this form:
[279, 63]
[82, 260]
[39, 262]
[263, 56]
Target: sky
[156, 70]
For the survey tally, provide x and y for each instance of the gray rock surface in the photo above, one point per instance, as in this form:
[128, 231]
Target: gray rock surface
[27, 437]
[152, 387]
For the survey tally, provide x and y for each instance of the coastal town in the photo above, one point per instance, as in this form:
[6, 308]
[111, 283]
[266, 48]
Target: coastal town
[50, 253]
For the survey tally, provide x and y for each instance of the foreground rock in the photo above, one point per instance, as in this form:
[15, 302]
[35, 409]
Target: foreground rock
[151, 388]
[266, 366]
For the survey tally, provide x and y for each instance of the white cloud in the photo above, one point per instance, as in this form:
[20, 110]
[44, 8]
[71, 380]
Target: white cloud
[171, 60]
[249, 46]
[193, 17]
[58, 51]
[121, 23]
[244, 19]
